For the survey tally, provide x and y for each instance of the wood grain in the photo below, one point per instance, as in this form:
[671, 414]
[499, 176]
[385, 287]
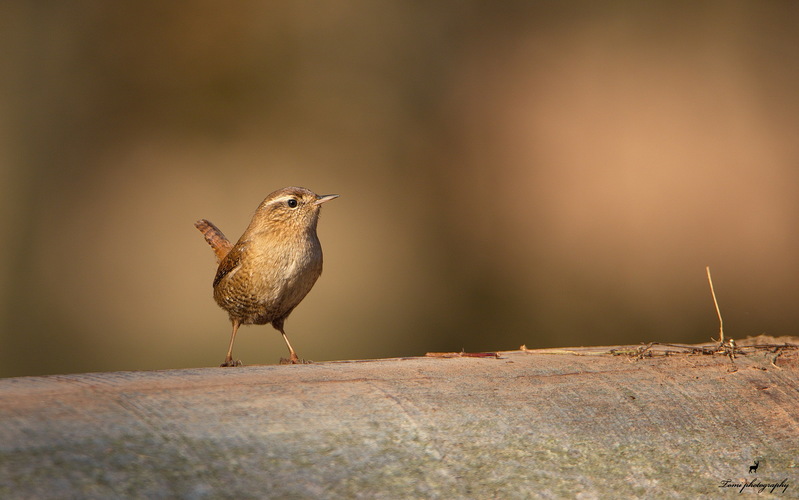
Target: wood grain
[528, 423]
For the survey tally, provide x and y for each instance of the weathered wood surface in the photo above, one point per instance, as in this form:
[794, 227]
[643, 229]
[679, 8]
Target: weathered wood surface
[530, 424]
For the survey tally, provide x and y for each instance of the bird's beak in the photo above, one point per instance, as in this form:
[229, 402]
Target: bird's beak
[324, 198]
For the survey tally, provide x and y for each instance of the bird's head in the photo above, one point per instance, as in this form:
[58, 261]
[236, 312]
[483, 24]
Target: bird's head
[289, 209]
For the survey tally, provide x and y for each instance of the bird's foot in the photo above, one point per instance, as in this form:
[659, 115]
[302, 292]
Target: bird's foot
[231, 363]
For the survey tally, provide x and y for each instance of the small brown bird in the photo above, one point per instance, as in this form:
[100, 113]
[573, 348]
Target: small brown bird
[273, 266]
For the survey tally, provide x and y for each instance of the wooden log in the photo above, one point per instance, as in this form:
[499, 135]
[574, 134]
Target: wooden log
[548, 423]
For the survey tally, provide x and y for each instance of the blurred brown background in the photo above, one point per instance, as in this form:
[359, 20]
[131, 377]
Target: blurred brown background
[517, 172]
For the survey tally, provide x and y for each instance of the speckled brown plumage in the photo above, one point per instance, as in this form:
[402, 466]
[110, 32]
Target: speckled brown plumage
[273, 266]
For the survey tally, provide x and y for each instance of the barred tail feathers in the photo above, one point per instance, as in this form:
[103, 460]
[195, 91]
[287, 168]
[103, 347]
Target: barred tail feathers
[215, 238]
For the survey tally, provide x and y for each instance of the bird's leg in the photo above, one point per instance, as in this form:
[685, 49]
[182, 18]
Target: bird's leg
[229, 358]
[293, 358]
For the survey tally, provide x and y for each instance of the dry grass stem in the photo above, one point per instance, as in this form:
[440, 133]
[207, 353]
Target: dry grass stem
[716, 303]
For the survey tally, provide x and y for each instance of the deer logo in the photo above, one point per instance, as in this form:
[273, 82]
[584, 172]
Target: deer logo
[753, 468]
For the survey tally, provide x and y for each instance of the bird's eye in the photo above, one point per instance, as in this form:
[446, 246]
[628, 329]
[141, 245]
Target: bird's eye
[292, 203]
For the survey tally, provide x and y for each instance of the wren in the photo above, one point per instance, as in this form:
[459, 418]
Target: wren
[272, 267]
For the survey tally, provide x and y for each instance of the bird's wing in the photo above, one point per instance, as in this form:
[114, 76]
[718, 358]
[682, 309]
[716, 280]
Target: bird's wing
[230, 263]
[219, 243]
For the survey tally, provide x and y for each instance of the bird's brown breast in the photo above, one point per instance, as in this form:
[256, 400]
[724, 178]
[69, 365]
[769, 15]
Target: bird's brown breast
[263, 278]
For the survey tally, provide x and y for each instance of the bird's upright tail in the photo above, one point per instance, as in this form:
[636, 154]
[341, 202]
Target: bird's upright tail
[219, 243]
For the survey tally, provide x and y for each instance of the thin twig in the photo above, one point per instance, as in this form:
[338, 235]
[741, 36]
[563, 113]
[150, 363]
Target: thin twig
[716, 303]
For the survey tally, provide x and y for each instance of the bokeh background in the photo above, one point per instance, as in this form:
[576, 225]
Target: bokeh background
[544, 173]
